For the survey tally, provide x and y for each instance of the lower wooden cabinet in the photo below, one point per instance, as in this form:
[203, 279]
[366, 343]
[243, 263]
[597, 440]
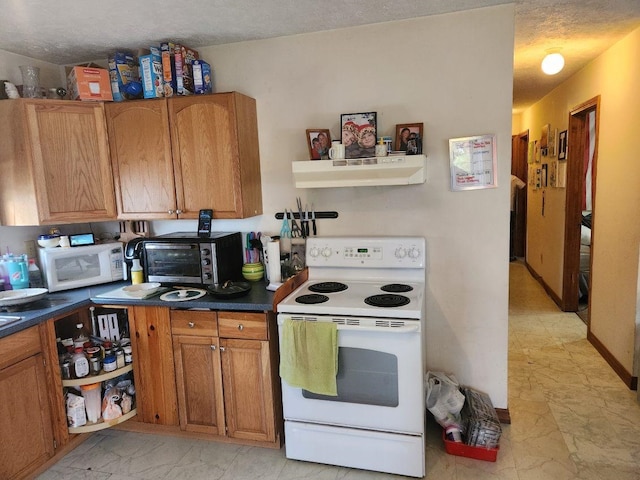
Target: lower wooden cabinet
[225, 384]
[25, 418]
[153, 365]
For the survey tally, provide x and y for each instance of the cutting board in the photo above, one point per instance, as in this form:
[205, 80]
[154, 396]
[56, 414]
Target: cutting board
[120, 294]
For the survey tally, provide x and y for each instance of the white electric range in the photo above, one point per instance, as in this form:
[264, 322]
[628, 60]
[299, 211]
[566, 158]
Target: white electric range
[373, 289]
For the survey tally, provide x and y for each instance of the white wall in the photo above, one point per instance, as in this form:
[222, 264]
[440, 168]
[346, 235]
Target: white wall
[453, 73]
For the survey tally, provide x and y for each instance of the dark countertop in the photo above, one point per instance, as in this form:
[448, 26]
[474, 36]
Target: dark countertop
[57, 304]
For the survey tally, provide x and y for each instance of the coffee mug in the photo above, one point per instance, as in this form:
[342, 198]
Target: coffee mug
[336, 152]
[381, 150]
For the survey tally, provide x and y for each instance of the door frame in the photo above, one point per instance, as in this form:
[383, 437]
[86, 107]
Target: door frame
[578, 123]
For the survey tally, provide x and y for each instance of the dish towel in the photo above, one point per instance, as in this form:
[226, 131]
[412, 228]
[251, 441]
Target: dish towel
[309, 356]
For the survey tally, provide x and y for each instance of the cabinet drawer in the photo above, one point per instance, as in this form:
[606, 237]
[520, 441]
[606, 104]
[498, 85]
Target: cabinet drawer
[242, 325]
[189, 322]
[18, 346]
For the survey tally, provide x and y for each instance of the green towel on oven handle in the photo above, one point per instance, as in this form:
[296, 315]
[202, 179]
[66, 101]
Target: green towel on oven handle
[309, 356]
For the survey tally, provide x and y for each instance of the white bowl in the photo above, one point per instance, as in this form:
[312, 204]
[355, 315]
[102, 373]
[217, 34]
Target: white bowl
[141, 290]
[49, 242]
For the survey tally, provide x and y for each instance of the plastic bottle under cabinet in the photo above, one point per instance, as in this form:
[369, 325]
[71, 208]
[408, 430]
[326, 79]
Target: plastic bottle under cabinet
[80, 363]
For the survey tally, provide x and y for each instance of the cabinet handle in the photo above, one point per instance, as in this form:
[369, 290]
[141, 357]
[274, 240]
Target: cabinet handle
[191, 324]
[222, 349]
[240, 327]
[171, 212]
[213, 347]
[178, 212]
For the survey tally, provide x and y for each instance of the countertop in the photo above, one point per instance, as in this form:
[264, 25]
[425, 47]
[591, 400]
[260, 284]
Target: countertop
[57, 304]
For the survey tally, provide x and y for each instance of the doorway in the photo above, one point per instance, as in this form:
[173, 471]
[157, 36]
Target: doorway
[519, 152]
[582, 155]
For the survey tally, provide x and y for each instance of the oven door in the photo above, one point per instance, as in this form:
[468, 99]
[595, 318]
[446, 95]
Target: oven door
[380, 379]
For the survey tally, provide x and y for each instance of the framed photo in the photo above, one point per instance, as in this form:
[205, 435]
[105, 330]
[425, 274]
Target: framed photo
[544, 137]
[405, 132]
[562, 145]
[319, 142]
[359, 134]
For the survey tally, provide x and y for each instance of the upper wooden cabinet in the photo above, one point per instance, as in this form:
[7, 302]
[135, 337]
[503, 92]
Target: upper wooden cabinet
[173, 157]
[54, 156]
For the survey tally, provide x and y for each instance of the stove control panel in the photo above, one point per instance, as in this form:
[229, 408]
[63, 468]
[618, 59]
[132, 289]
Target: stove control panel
[373, 252]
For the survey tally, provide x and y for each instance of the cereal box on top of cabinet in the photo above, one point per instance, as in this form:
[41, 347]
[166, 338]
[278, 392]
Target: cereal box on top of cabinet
[151, 74]
[123, 70]
[202, 78]
[167, 52]
[184, 58]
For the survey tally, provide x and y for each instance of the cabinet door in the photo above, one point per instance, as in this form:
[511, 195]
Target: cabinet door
[141, 159]
[153, 365]
[71, 165]
[215, 153]
[248, 396]
[199, 382]
[25, 421]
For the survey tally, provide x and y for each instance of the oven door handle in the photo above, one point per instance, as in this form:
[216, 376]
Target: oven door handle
[398, 330]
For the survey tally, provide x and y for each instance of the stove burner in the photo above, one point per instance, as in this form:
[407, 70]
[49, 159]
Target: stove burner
[313, 298]
[396, 288]
[327, 287]
[386, 300]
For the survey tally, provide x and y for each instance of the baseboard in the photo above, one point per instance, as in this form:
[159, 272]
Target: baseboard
[540, 280]
[503, 415]
[628, 379]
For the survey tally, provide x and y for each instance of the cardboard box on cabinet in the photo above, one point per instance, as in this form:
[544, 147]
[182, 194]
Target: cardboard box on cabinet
[88, 83]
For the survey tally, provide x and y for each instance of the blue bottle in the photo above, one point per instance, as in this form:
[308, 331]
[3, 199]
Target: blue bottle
[18, 272]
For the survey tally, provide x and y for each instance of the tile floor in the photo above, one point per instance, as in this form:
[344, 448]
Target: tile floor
[572, 418]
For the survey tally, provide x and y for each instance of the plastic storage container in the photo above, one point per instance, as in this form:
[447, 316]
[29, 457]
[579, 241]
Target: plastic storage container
[463, 450]
[92, 394]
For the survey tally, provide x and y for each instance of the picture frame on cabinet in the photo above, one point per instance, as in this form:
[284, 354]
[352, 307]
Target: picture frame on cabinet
[359, 134]
[562, 145]
[318, 142]
[409, 138]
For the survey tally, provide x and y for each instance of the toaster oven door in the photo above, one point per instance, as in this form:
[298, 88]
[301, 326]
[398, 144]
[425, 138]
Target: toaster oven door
[178, 263]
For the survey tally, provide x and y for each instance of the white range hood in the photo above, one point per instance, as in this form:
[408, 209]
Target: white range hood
[358, 172]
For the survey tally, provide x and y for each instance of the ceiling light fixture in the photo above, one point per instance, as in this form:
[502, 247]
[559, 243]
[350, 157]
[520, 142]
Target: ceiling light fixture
[552, 63]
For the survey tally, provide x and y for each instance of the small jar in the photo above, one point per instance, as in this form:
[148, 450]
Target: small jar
[66, 370]
[109, 363]
[80, 363]
[128, 355]
[95, 365]
[119, 358]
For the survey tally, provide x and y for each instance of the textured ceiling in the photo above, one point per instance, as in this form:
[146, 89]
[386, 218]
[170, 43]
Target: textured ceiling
[71, 31]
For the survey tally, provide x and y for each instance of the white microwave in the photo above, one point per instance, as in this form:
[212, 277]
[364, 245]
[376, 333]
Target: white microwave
[82, 266]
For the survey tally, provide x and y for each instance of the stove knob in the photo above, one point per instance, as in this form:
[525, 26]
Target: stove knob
[205, 252]
[314, 252]
[326, 252]
[206, 276]
[414, 253]
[401, 252]
[206, 261]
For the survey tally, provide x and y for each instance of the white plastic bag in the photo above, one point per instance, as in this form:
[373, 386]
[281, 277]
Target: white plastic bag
[444, 398]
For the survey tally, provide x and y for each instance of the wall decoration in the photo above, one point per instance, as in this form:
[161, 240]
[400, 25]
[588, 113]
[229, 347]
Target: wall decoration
[473, 162]
[537, 151]
[409, 137]
[561, 174]
[562, 145]
[553, 173]
[319, 142]
[531, 153]
[543, 178]
[552, 146]
[544, 137]
[359, 134]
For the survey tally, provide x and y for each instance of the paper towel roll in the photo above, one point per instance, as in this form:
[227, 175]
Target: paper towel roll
[274, 273]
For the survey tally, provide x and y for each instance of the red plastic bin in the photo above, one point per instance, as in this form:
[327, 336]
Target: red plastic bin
[463, 450]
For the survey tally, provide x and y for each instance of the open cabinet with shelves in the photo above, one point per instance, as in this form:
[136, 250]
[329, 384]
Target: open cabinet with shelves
[105, 396]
